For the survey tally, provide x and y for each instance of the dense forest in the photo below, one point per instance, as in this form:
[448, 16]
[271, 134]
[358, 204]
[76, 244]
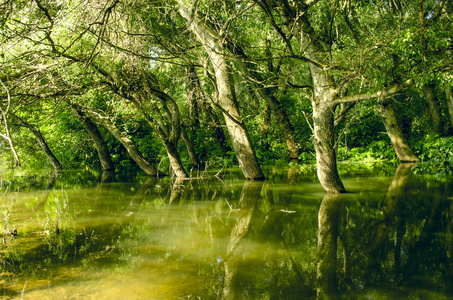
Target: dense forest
[175, 86]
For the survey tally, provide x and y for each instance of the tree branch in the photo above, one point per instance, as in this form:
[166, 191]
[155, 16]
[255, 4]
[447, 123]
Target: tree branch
[380, 94]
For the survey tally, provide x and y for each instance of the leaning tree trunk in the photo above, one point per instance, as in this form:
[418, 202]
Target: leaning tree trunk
[267, 93]
[175, 160]
[189, 146]
[41, 142]
[238, 132]
[169, 135]
[226, 97]
[283, 121]
[210, 117]
[99, 142]
[134, 153]
[402, 149]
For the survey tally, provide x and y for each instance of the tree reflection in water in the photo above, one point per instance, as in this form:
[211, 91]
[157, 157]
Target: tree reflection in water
[250, 195]
[278, 239]
[392, 248]
[328, 220]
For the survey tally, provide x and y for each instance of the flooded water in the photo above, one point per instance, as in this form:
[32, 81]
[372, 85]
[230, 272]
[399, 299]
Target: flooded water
[127, 236]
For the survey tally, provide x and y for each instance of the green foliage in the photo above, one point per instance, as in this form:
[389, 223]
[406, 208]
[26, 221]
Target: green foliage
[376, 151]
[436, 155]
[363, 127]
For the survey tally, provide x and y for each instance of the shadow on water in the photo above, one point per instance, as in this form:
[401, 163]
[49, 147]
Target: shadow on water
[128, 235]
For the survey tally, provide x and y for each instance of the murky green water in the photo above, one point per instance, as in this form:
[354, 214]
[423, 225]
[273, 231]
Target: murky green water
[133, 237]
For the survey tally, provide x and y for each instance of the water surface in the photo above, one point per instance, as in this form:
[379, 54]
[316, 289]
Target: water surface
[127, 236]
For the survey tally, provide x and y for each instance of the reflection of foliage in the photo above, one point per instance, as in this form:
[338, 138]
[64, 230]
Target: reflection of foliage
[387, 241]
[402, 244]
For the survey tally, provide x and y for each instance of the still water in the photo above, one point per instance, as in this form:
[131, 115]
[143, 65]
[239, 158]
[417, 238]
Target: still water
[127, 236]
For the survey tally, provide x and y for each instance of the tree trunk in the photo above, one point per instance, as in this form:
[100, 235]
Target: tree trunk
[226, 96]
[239, 136]
[12, 148]
[126, 142]
[193, 96]
[434, 111]
[99, 143]
[402, 149]
[41, 142]
[323, 112]
[210, 116]
[175, 160]
[324, 141]
[189, 146]
[7, 137]
[283, 121]
[449, 96]
[267, 93]
[169, 138]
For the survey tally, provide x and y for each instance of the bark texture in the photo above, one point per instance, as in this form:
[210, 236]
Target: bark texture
[189, 146]
[193, 96]
[175, 160]
[99, 142]
[41, 142]
[283, 121]
[128, 144]
[268, 94]
[323, 108]
[434, 111]
[326, 156]
[212, 119]
[226, 97]
[402, 149]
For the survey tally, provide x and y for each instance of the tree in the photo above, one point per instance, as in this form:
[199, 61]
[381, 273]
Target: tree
[7, 135]
[226, 97]
[99, 142]
[336, 59]
[128, 144]
[41, 141]
[395, 134]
